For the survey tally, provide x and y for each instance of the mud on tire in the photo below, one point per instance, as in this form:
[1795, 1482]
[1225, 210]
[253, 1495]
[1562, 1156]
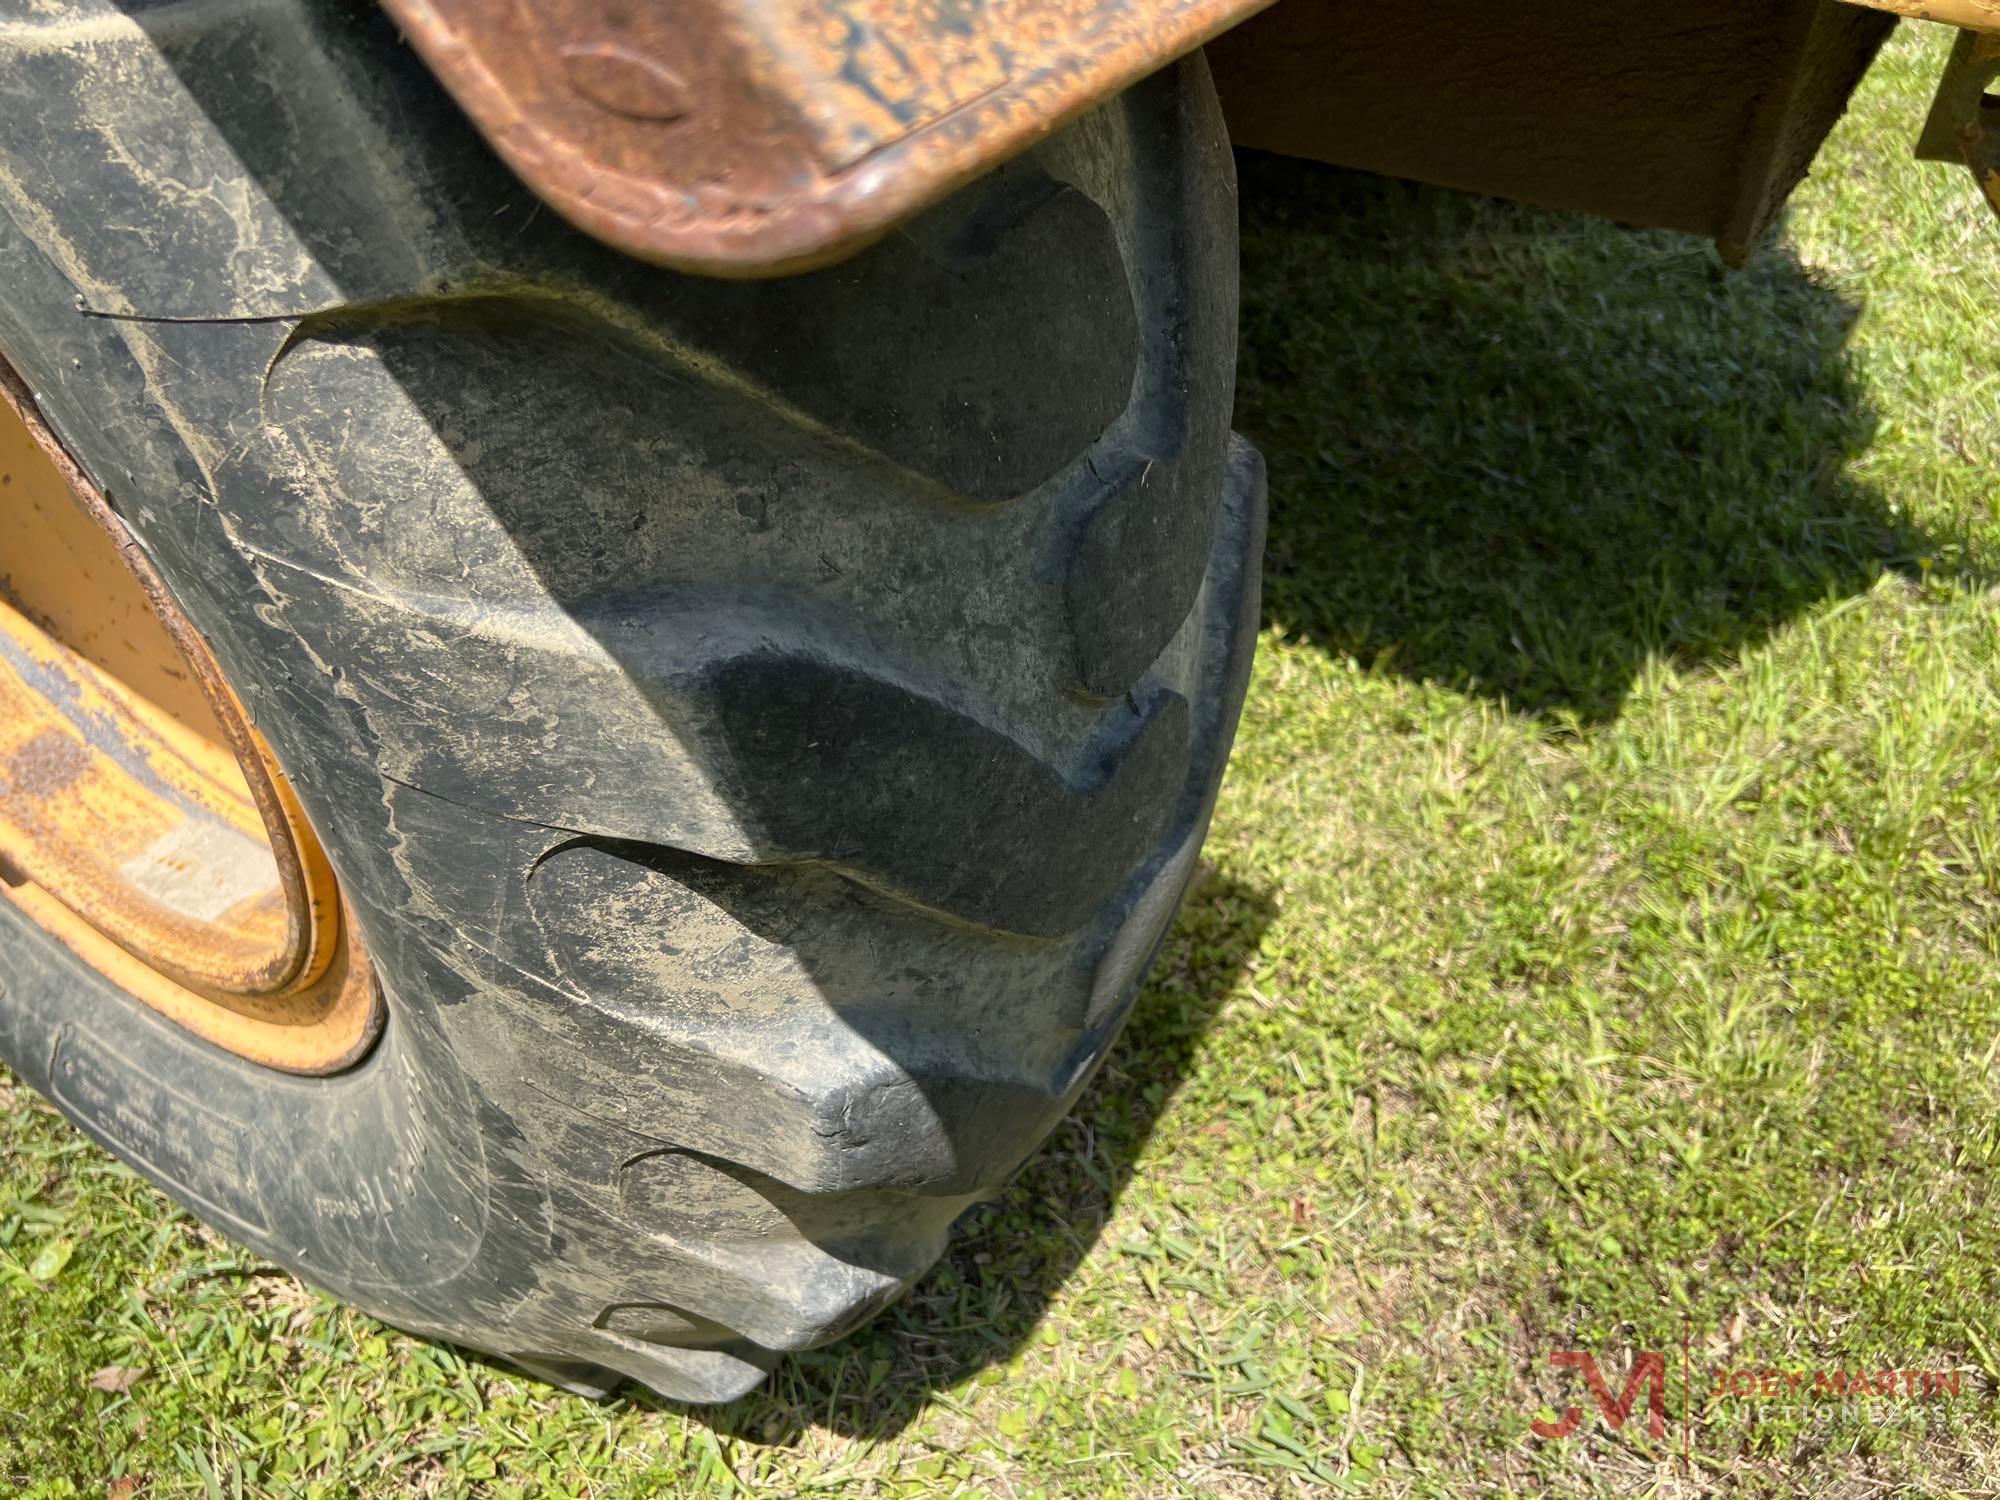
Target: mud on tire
[762, 729]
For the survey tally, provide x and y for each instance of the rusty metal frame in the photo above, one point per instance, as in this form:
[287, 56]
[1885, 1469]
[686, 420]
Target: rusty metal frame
[1964, 123]
[754, 137]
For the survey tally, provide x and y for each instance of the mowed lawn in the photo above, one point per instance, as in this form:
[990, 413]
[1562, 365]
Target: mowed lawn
[1598, 948]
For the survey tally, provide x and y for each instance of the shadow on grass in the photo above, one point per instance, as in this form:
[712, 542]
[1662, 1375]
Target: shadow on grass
[1008, 1258]
[1519, 453]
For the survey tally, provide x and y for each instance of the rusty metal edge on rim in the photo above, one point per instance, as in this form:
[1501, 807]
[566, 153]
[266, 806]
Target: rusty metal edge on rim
[760, 137]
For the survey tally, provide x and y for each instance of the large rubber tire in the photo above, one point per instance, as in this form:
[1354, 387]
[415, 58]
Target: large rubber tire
[762, 729]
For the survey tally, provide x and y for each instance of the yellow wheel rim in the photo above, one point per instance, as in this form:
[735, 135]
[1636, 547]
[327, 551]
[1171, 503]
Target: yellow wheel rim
[143, 820]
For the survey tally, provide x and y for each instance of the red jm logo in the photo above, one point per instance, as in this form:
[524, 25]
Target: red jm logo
[1648, 1369]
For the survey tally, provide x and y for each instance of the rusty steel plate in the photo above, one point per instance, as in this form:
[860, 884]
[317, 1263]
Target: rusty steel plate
[753, 137]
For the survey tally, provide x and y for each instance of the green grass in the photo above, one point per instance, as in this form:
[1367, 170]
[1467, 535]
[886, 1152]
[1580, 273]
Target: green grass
[1598, 940]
